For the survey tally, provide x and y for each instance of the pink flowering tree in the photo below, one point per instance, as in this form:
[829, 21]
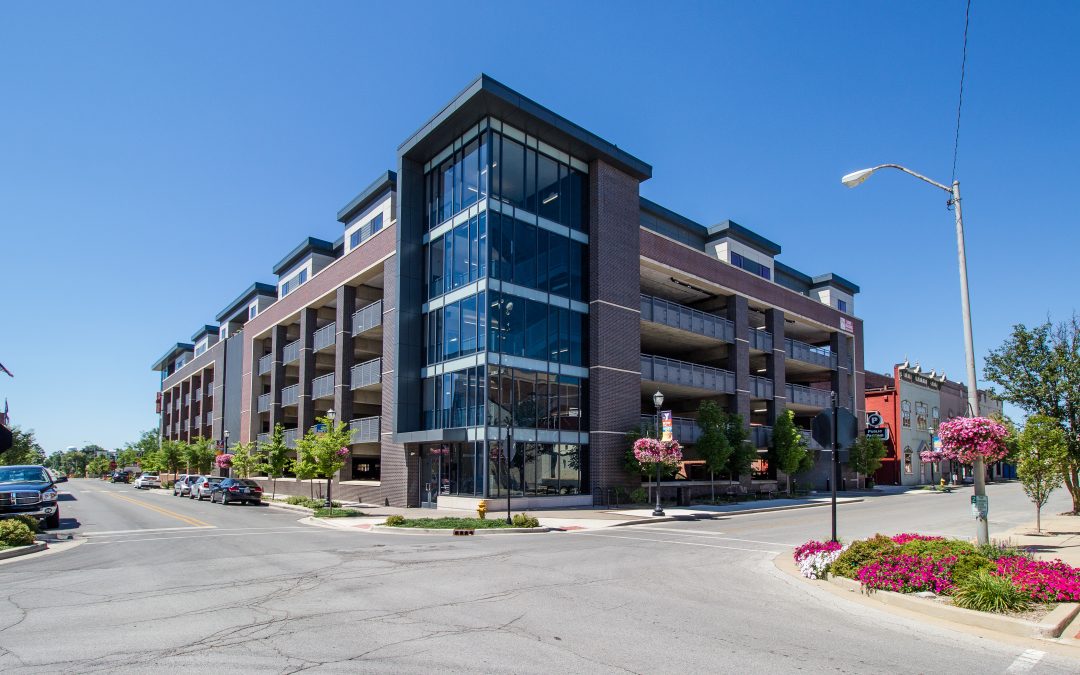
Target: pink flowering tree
[966, 439]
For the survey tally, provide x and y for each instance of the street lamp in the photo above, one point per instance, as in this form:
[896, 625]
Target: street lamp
[658, 400]
[507, 309]
[857, 177]
[330, 415]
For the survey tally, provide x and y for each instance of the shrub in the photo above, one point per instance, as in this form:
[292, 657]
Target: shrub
[639, 496]
[967, 566]
[861, 554]
[525, 520]
[33, 523]
[394, 521]
[1041, 580]
[907, 574]
[937, 549]
[298, 500]
[988, 592]
[995, 550]
[15, 533]
[338, 513]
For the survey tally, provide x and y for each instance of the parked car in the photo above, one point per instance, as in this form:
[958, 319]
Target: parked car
[203, 485]
[120, 477]
[28, 490]
[231, 490]
[148, 479]
[182, 486]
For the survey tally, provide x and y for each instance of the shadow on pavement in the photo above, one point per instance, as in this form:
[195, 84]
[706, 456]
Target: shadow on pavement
[66, 497]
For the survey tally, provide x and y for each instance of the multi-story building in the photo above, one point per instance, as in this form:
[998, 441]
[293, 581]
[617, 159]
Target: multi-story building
[912, 404]
[496, 314]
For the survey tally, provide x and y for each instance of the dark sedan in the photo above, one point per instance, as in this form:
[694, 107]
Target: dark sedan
[233, 490]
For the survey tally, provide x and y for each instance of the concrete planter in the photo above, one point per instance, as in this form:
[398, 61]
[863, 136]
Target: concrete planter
[450, 532]
[23, 550]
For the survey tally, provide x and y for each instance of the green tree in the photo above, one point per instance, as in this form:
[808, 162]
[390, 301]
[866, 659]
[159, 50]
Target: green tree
[74, 462]
[170, 456]
[743, 452]
[865, 455]
[98, 466]
[93, 450]
[126, 457]
[324, 452]
[788, 448]
[713, 445]
[24, 449]
[151, 461]
[245, 459]
[1038, 370]
[1041, 454]
[199, 455]
[275, 455]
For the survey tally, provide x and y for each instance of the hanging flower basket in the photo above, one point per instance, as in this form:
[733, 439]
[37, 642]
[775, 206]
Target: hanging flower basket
[966, 439]
[224, 461]
[649, 452]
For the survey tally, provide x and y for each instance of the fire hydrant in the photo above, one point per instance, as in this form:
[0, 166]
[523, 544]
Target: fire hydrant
[942, 484]
[481, 509]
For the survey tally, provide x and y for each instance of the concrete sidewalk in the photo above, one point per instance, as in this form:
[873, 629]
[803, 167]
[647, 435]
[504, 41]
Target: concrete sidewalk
[1060, 538]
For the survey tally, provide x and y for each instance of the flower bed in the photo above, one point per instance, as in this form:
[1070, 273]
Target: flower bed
[996, 577]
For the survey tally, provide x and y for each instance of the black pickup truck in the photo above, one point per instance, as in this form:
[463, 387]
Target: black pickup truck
[28, 491]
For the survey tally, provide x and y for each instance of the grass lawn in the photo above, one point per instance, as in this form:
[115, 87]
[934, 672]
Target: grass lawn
[453, 523]
[338, 513]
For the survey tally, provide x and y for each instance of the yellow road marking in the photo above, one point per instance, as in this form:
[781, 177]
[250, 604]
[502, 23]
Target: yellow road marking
[172, 514]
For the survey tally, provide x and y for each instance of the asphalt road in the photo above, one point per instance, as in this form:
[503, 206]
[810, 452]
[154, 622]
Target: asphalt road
[165, 583]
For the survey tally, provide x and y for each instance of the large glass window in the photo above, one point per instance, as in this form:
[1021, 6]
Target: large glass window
[524, 254]
[461, 256]
[512, 170]
[452, 331]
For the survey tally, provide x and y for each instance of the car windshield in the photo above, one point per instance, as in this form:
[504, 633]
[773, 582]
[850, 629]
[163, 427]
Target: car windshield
[23, 474]
[149, 475]
[214, 479]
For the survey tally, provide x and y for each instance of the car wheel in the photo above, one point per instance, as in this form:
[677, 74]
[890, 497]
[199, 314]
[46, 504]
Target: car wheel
[53, 521]
[224, 499]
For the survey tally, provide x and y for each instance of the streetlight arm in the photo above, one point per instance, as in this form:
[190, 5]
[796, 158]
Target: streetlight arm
[916, 174]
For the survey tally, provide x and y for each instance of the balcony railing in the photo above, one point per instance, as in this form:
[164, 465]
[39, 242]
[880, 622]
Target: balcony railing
[684, 429]
[366, 318]
[262, 439]
[209, 390]
[184, 425]
[198, 395]
[266, 362]
[365, 430]
[761, 340]
[290, 395]
[209, 420]
[800, 395]
[367, 374]
[291, 352]
[264, 403]
[671, 371]
[682, 317]
[761, 387]
[322, 387]
[325, 336]
[819, 356]
[760, 436]
[290, 437]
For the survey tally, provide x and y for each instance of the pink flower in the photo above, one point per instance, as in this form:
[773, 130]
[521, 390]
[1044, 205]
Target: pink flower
[649, 451]
[223, 461]
[965, 439]
[908, 574]
[813, 547]
[910, 536]
[1052, 581]
[343, 452]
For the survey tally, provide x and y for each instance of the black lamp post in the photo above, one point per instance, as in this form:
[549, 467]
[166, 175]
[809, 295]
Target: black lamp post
[507, 309]
[226, 446]
[330, 414]
[658, 400]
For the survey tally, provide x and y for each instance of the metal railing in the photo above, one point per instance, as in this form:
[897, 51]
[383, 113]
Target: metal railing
[761, 340]
[262, 439]
[366, 318]
[800, 395]
[761, 387]
[672, 371]
[684, 429]
[290, 395]
[322, 387]
[264, 403]
[365, 429]
[325, 336]
[266, 362]
[819, 356]
[291, 352]
[290, 437]
[209, 390]
[209, 419]
[367, 374]
[760, 436]
[682, 317]
[198, 395]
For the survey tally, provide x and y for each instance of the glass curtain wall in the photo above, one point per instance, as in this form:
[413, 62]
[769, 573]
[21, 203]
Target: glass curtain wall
[502, 208]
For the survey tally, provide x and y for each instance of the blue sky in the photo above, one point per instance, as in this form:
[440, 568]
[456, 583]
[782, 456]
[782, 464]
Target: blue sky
[156, 158]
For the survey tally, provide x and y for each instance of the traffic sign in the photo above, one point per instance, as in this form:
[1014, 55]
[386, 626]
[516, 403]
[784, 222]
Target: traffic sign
[873, 419]
[878, 432]
[821, 429]
[980, 506]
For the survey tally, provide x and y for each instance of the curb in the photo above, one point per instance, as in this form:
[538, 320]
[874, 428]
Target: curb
[23, 550]
[290, 507]
[383, 529]
[710, 515]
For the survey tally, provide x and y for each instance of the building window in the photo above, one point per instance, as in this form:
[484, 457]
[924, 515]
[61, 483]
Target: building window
[841, 305]
[905, 413]
[365, 468]
[750, 266]
[366, 231]
[252, 311]
[907, 460]
[294, 283]
[920, 416]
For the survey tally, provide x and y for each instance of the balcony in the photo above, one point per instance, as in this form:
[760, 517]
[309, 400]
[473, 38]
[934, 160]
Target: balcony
[760, 436]
[818, 356]
[198, 395]
[266, 362]
[290, 395]
[290, 437]
[761, 340]
[682, 317]
[365, 430]
[322, 387]
[291, 352]
[209, 420]
[684, 429]
[761, 387]
[264, 403]
[367, 374]
[184, 425]
[262, 439]
[209, 390]
[325, 336]
[684, 374]
[808, 396]
[366, 318]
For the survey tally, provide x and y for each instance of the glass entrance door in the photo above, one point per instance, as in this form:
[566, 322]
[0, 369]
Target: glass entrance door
[434, 474]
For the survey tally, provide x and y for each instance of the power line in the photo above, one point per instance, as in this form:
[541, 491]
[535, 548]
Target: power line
[960, 102]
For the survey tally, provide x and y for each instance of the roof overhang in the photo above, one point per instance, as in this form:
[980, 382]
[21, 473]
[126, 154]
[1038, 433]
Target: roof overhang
[836, 281]
[174, 351]
[255, 290]
[731, 229]
[369, 195]
[308, 245]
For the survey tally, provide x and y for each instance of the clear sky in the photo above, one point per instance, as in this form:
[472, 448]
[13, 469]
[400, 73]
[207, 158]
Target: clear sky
[157, 158]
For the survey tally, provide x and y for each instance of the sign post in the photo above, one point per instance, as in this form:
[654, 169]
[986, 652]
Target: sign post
[834, 427]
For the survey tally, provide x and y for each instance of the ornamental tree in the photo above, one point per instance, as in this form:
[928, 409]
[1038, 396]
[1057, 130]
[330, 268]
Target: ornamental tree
[788, 448]
[327, 451]
[864, 456]
[275, 457]
[245, 459]
[1042, 452]
[713, 445]
[966, 439]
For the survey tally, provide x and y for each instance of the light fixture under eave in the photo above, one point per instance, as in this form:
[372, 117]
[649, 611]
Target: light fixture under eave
[550, 198]
[856, 177]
